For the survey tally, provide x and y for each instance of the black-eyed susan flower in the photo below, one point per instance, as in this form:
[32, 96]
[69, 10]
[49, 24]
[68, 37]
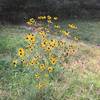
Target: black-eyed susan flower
[53, 43]
[50, 69]
[48, 48]
[14, 62]
[41, 85]
[49, 17]
[44, 43]
[49, 21]
[43, 17]
[42, 33]
[33, 61]
[23, 61]
[30, 37]
[31, 21]
[56, 26]
[66, 33]
[27, 37]
[55, 18]
[37, 75]
[21, 52]
[42, 67]
[72, 26]
[39, 17]
[53, 60]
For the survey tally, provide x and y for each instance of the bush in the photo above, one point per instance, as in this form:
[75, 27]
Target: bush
[40, 60]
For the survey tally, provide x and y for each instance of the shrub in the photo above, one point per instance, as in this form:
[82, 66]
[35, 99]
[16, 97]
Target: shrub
[43, 55]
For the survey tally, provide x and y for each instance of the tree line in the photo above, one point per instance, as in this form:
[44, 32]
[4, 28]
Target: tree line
[19, 10]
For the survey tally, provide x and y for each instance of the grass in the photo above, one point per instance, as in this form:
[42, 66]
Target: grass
[88, 30]
[80, 80]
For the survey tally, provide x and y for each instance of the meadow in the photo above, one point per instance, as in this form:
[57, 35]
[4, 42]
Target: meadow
[75, 78]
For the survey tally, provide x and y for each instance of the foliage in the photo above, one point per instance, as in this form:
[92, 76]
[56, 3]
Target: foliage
[62, 8]
[41, 54]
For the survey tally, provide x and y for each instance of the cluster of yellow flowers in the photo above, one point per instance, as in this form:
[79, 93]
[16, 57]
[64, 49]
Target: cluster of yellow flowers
[49, 18]
[53, 59]
[21, 52]
[41, 53]
[30, 37]
[42, 66]
[72, 26]
[31, 21]
[50, 23]
[49, 45]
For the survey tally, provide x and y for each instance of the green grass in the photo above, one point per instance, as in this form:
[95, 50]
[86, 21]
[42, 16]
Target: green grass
[88, 30]
[75, 83]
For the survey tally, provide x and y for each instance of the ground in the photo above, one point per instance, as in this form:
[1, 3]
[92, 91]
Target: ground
[80, 80]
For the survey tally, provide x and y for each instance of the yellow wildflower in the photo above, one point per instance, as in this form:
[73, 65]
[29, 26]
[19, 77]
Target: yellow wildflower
[31, 21]
[21, 52]
[65, 33]
[14, 62]
[53, 60]
[39, 17]
[53, 43]
[37, 75]
[42, 33]
[57, 26]
[30, 37]
[49, 21]
[44, 43]
[55, 18]
[23, 61]
[43, 17]
[72, 26]
[49, 17]
[50, 69]
[33, 61]
[42, 67]
[40, 85]
[48, 48]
